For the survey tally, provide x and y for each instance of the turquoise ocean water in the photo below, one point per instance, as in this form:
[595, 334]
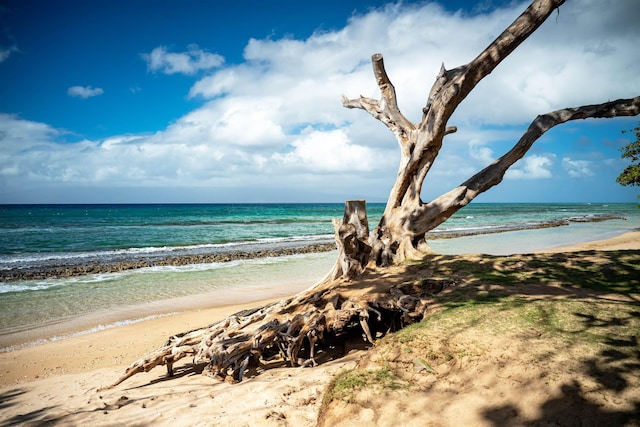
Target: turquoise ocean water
[40, 237]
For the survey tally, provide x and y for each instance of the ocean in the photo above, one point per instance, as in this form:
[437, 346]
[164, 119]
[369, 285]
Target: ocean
[50, 286]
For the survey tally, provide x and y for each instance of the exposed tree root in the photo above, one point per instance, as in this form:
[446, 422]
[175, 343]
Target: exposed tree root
[290, 330]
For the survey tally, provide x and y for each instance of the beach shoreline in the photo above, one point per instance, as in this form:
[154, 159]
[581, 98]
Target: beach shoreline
[171, 317]
[625, 241]
[88, 361]
[98, 321]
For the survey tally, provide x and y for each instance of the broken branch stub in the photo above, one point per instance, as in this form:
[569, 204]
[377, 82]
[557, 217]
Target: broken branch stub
[352, 235]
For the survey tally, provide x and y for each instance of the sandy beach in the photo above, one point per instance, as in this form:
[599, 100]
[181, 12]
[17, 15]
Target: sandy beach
[630, 240]
[58, 381]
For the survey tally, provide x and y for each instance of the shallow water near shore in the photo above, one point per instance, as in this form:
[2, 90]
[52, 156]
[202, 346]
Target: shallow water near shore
[525, 241]
[77, 304]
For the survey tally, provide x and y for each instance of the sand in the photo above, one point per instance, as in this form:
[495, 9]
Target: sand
[58, 381]
[630, 240]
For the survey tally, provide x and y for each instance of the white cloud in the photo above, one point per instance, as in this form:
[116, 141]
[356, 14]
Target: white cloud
[577, 168]
[5, 53]
[531, 167]
[17, 134]
[277, 117]
[328, 151]
[481, 153]
[84, 91]
[189, 62]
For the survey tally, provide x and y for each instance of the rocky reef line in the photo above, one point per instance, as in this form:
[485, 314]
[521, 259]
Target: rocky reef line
[99, 267]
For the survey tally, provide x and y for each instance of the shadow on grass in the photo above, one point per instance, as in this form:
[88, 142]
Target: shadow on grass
[585, 274]
[609, 281]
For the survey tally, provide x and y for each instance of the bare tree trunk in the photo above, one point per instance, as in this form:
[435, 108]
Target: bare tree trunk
[406, 219]
[343, 300]
[352, 235]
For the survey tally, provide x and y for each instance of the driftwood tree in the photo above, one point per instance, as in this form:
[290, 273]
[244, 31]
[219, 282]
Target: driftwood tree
[290, 330]
[400, 233]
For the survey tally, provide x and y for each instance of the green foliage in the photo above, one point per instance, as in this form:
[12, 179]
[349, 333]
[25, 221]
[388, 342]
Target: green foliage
[631, 174]
[347, 383]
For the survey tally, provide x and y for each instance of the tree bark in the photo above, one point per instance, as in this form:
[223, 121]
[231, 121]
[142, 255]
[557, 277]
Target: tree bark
[352, 234]
[406, 219]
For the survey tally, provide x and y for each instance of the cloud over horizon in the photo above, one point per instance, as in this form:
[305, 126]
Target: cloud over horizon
[277, 115]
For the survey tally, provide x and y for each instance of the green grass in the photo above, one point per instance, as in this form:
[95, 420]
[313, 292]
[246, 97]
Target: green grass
[584, 304]
[612, 271]
[347, 383]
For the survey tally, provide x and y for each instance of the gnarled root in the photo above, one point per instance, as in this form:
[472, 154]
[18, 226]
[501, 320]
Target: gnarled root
[282, 330]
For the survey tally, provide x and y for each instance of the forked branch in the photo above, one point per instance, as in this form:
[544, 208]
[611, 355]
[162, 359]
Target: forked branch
[420, 144]
[386, 109]
[452, 86]
[492, 175]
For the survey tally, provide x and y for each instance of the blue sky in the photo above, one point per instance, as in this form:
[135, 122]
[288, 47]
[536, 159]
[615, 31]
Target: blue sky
[214, 101]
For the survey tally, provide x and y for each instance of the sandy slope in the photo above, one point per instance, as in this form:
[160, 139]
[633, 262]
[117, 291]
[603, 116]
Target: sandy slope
[629, 240]
[58, 381]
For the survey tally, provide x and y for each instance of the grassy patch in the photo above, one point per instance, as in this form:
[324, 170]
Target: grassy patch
[579, 307]
[490, 278]
[347, 383]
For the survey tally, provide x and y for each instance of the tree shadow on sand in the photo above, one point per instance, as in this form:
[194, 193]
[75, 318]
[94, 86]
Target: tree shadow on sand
[571, 408]
[608, 281]
[38, 417]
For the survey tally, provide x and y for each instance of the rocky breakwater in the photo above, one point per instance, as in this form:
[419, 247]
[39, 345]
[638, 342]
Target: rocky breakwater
[81, 269]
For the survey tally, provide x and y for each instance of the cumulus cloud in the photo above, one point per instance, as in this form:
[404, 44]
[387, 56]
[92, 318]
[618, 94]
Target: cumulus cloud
[532, 167]
[481, 152]
[277, 116]
[189, 62]
[329, 151]
[84, 92]
[577, 168]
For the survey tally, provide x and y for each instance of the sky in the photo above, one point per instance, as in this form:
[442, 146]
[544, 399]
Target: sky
[167, 101]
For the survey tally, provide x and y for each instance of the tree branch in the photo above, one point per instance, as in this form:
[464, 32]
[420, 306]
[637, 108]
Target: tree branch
[388, 92]
[386, 109]
[452, 86]
[525, 25]
[493, 174]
